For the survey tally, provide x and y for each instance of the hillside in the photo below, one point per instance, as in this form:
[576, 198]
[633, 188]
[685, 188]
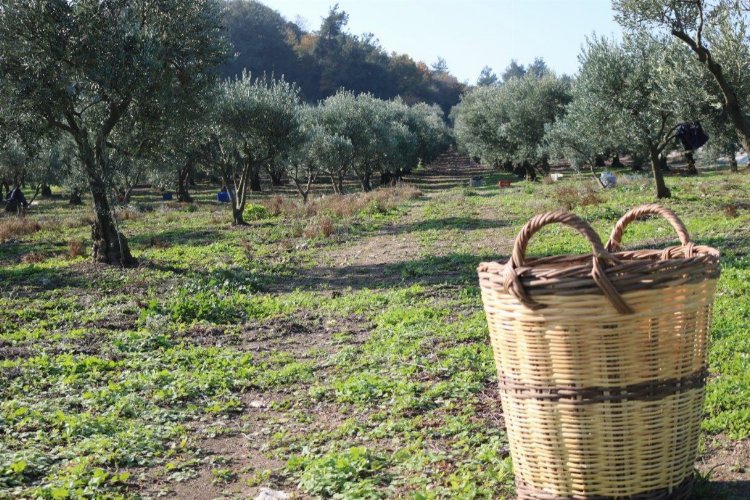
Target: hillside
[329, 58]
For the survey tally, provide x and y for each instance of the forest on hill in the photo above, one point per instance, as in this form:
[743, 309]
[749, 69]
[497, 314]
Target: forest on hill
[325, 60]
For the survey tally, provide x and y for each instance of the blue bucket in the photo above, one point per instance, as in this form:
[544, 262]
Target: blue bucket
[222, 197]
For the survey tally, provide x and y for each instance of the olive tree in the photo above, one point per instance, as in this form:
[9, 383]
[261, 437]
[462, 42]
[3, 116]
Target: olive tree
[432, 135]
[254, 122]
[94, 69]
[335, 153]
[704, 26]
[633, 89]
[302, 159]
[363, 120]
[399, 155]
[29, 158]
[584, 134]
[14, 163]
[506, 124]
[176, 161]
[376, 136]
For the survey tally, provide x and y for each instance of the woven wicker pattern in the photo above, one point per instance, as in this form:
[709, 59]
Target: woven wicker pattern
[601, 362]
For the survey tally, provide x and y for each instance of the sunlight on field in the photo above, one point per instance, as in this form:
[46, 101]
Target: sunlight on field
[237, 357]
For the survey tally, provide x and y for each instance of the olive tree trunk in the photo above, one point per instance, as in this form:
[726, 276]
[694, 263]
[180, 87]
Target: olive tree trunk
[277, 177]
[616, 163]
[255, 180]
[183, 179]
[110, 245]
[530, 171]
[690, 159]
[75, 198]
[365, 181]
[733, 167]
[662, 191]
[335, 185]
[238, 195]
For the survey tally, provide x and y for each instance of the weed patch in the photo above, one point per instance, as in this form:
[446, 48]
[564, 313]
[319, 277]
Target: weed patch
[16, 227]
[570, 197]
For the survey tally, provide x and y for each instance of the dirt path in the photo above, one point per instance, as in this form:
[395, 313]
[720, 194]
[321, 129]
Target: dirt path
[369, 262]
[233, 457]
[726, 465]
[234, 452]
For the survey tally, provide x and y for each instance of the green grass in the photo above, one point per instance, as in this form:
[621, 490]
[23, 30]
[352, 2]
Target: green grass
[116, 381]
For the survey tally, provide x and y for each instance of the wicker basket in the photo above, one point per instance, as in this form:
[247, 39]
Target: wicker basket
[601, 362]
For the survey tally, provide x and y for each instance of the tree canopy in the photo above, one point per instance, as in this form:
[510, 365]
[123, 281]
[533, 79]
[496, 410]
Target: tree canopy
[711, 29]
[110, 75]
[506, 124]
[322, 62]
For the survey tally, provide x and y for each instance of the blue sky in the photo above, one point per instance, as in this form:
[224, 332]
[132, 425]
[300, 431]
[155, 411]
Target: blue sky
[469, 34]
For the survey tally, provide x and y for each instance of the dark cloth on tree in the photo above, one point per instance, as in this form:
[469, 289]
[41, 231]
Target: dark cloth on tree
[15, 200]
[691, 135]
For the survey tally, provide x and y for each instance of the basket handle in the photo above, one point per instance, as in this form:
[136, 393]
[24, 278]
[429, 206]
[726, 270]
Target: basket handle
[513, 284]
[615, 239]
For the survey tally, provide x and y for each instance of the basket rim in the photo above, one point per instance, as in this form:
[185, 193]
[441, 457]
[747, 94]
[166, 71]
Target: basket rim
[571, 274]
[675, 254]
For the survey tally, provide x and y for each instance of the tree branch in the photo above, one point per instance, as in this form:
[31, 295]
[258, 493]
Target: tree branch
[58, 124]
[699, 32]
[699, 51]
[115, 113]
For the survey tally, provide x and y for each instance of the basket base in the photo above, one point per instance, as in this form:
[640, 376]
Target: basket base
[682, 491]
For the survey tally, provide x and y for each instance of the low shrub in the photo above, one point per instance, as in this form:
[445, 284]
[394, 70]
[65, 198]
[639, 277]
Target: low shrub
[76, 248]
[326, 226]
[127, 213]
[248, 249]
[342, 206]
[33, 258]
[349, 473]
[211, 306]
[155, 242]
[173, 216]
[322, 227]
[731, 211]
[570, 197]
[81, 220]
[218, 218]
[14, 227]
[221, 296]
[274, 205]
[256, 212]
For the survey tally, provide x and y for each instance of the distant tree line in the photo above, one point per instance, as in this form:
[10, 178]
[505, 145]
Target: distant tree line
[323, 61]
[260, 125]
[680, 61]
[102, 95]
[108, 94]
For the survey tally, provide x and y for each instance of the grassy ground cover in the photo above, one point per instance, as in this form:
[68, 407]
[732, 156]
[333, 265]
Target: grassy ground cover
[333, 350]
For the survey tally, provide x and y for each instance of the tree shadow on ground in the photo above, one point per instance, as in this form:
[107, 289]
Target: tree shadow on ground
[455, 268]
[722, 490]
[198, 237]
[462, 223]
[11, 252]
[31, 279]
